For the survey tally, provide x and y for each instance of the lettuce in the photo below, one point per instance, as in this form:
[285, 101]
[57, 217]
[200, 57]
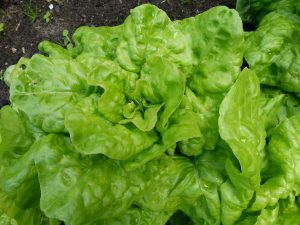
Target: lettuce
[254, 10]
[156, 122]
[240, 127]
[272, 51]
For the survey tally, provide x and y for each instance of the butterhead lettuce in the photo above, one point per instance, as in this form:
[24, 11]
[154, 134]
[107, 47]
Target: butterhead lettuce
[155, 122]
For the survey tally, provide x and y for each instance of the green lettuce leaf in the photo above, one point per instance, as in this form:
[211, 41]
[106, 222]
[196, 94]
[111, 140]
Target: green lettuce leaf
[282, 175]
[252, 11]
[266, 216]
[92, 134]
[87, 189]
[161, 83]
[103, 45]
[136, 216]
[152, 122]
[272, 51]
[54, 84]
[19, 187]
[149, 32]
[81, 190]
[118, 85]
[241, 127]
[211, 172]
[217, 40]
[289, 218]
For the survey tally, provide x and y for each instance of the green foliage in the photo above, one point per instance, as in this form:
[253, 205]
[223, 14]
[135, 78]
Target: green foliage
[48, 16]
[30, 10]
[1, 28]
[153, 122]
[272, 51]
[254, 10]
[67, 42]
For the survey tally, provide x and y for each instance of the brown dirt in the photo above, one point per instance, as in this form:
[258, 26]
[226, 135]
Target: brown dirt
[21, 35]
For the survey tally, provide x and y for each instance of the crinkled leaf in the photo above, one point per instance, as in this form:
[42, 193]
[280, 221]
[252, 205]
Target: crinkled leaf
[91, 133]
[97, 42]
[161, 83]
[284, 161]
[253, 11]
[217, 39]
[78, 189]
[148, 32]
[19, 187]
[52, 84]
[217, 42]
[272, 51]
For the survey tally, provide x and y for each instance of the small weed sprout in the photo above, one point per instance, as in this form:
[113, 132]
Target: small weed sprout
[48, 16]
[67, 40]
[1, 28]
[30, 11]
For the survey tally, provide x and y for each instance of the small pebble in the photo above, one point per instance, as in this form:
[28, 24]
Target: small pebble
[14, 50]
[51, 6]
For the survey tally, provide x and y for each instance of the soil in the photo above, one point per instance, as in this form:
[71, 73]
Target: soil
[22, 32]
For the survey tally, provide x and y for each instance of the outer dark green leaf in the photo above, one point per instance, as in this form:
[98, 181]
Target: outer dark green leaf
[81, 190]
[84, 189]
[52, 84]
[272, 51]
[97, 42]
[19, 187]
[254, 10]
